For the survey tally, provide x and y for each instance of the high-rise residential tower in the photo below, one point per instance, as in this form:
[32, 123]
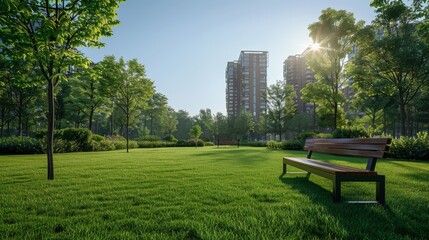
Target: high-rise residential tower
[297, 74]
[246, 82]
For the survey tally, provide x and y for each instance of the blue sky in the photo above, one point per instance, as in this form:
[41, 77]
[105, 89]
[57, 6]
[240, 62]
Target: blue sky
[186, 44]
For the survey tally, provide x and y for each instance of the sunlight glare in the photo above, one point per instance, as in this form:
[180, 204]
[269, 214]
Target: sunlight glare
[315, 46]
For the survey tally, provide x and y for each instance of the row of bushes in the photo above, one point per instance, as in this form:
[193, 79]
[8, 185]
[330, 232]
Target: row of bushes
[415, 148]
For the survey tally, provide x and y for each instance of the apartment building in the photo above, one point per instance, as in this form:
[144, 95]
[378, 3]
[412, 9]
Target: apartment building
[297, 74]
[246, 82]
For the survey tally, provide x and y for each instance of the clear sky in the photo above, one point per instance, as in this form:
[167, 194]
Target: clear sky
[186, 44]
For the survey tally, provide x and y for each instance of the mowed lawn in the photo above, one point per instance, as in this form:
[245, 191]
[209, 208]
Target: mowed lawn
[203, 193]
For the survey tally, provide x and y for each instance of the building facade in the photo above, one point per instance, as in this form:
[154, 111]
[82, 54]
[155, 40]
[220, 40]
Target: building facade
[297, 74]
[246, 83]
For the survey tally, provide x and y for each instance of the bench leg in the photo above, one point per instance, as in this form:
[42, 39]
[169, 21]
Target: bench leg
[380, 190]
[336, 191]
[284, 168]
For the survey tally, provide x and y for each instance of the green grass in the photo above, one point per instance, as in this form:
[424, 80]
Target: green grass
[203, 193]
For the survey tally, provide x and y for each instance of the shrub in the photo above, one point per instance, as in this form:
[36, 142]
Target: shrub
[411, 147]
[292, 145]
[274, 145]
[323, 135]
[150, 138]
[170, 138]
[303, 136]
[349, 133]
[254, 144]
[147, 144]
[209, 144]
[16, 145]
[103, 145]
[97, 138]
[200, 143]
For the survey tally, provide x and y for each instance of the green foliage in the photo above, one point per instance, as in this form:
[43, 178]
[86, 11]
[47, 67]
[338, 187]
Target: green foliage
[349, 133]
[274, 145]
[16, 145]
[153, 144]
[323, 135]
[209, 144]
[292, 145]
[99, 143]
[411, 147]
[199, 143]
[149, 138]
[253, 144]
[69, 140]
[170, 138]
[303, 136]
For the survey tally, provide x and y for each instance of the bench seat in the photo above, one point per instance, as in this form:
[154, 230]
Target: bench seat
[372, 148]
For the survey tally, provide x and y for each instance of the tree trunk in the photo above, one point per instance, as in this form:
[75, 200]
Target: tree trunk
[335, 115]
[91, 114]
[402, 114]
[126, 130]
[50, 133]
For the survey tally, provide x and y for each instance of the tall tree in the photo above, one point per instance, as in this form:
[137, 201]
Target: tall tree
[334, 34]
[48, 33]
[169, 121]
[134, 92]
[390, 52]
[281, 105]
[184, 124]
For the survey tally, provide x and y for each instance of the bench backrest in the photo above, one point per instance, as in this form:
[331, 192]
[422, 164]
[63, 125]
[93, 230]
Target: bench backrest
[372, 148]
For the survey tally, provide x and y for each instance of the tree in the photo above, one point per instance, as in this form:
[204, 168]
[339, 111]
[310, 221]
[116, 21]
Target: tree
[205, 120]
[48, 34]
[154, 110]
[134, 92]
[281, 105]
[169, 121]
[334, 34]
[391, 53]
[195, 133]
[244, 125]
[184, 124]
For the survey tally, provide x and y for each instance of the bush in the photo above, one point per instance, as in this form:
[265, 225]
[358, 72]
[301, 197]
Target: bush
[292, 145]
[209, 144]
[150, 138]
[323, 135]
[411, 147]
[303, 136]
[254, 144]
[68, 139]
[170, 138]
[16, 145]
[349, 133]
[103, 145]
[200, 143]
[147, 144]
[274, 145]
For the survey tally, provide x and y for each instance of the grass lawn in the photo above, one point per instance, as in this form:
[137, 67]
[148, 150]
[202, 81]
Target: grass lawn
[203, 193]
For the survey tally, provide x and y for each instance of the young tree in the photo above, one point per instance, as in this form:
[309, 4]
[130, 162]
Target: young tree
[134, 92]
[48, 34]
[334, 34]
[195, 133]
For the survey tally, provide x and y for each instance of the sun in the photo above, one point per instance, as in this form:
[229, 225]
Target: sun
[315, 46]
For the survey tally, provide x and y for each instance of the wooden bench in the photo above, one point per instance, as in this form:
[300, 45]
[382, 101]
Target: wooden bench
[372, 148]
[228, 142]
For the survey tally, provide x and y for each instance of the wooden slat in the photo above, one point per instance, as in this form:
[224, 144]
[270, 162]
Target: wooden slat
[326, 167]
[364, 147]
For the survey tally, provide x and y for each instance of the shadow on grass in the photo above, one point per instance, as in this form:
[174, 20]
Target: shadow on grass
[369, 221]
